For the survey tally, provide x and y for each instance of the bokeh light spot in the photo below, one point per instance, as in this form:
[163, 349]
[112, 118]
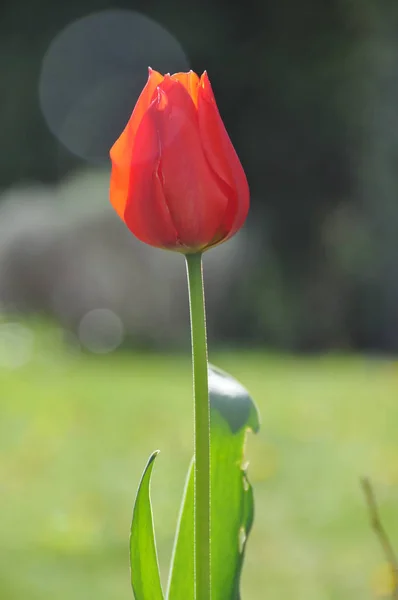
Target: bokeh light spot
[93, 73]
[101, 331]
[16, 345]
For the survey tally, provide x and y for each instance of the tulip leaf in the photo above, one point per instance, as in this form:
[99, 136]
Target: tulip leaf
[145, 578]
[233, 413]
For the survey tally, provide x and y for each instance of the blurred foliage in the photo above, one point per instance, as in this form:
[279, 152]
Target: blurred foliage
[309, 94]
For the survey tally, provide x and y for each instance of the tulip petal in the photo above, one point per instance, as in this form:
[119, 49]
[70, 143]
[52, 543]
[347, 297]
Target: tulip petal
[222, 157]
[190, 81]
[122, 149]
[146, 213]
[196, 201]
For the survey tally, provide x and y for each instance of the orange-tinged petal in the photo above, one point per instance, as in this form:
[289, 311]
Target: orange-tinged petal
[146, 213]
[196, 201]
[222, 157]
[190, 81]
[122, 149]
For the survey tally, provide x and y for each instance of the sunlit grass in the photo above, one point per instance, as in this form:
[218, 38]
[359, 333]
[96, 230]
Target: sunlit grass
[76, 431]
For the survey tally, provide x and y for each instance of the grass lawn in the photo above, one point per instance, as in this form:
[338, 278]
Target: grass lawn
[76, 431]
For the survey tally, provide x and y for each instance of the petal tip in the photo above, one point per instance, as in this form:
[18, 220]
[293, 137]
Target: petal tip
[207, 90]
[154, 75]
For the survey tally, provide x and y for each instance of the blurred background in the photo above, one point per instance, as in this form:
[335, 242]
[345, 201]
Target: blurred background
[302, 304]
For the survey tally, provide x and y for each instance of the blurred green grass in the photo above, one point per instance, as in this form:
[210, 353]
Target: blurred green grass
[76, 431]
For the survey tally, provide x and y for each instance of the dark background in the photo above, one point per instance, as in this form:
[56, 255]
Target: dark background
[308, 91]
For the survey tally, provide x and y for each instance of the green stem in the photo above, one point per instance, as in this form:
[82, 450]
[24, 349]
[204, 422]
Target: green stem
[202, 428]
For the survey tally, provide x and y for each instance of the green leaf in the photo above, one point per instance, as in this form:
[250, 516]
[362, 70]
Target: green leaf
[233, 413]
[145, 577]
[181, 578]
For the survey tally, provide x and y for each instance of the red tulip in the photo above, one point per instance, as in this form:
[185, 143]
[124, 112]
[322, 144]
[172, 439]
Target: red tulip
[176, 180]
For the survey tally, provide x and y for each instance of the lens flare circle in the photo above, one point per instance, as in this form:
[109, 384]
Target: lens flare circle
[93, 73]
[101, 331]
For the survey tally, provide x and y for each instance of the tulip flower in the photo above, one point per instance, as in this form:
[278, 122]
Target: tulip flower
[176, 181]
